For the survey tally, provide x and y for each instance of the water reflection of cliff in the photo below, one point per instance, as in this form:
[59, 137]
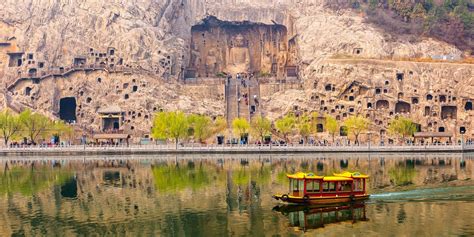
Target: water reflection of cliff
[189, 195]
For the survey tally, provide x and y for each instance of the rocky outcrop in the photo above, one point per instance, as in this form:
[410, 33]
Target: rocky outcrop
[51, 50]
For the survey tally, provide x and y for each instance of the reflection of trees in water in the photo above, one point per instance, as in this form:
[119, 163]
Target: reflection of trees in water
[28, 180]
[402, 215]
[402, 175]
[179, 176]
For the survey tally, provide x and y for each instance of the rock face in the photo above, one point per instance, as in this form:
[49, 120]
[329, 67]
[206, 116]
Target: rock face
[136, 55]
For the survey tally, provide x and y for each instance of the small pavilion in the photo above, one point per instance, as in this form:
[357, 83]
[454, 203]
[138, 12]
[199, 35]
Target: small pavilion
[433, 135]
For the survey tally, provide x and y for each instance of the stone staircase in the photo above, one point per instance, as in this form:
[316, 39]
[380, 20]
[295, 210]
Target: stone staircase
[231, 97]
[242, 109]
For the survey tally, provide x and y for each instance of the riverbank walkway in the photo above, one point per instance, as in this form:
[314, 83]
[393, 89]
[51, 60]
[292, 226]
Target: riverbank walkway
[229, 149]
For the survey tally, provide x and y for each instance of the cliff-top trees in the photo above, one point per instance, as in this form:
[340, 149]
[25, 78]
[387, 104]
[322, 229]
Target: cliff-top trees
[356, 125]
[10, 125]
[170, 125]
[261, 126]
[402, 127]
[285, 125]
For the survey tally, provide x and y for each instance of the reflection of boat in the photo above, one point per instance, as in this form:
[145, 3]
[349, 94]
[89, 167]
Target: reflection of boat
[307, 188]
[309, 217]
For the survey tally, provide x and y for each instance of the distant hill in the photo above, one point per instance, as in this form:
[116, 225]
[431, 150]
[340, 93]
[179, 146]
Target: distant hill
[448, 20]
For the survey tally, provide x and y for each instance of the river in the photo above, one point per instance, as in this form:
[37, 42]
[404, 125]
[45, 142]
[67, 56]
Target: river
[230, 195]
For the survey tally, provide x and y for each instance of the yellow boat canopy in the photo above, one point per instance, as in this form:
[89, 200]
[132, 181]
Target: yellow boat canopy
[302, 175]
[336, 178]
[345, 176]
[355, 175]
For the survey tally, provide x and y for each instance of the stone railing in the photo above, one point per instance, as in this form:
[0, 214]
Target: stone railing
[231, 148]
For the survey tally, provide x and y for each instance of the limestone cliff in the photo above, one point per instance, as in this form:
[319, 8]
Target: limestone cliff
[137, 55]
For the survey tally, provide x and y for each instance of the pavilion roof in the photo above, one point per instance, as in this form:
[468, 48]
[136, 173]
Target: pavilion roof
[433, 134]
[112, 109]
[111, 136]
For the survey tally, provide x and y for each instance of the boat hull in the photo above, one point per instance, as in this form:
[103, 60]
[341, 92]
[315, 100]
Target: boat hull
[321, 201]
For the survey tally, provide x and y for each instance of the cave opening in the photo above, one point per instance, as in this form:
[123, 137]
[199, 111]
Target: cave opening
[468, 106]
[27, 91]
[449, 112]
[402, 107]
[400, 76]
[67, 109]
[442, 98]
[427, 111]
[382, 104]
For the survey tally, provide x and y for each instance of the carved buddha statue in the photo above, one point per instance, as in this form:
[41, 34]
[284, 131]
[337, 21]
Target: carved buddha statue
[239, 56]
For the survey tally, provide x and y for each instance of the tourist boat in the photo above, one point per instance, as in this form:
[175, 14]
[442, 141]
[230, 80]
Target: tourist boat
[311, 189]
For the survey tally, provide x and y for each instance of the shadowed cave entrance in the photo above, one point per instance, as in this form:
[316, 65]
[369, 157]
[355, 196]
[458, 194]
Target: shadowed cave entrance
[67, 109]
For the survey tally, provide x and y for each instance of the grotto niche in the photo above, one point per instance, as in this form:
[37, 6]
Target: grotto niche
[223, 47]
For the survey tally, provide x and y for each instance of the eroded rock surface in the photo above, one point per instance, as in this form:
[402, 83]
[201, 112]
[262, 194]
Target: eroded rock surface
[141, 52]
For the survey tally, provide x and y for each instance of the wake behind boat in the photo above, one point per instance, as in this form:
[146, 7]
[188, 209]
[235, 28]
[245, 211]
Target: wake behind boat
[310, 189]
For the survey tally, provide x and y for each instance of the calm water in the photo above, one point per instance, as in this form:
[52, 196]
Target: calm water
[412, 195]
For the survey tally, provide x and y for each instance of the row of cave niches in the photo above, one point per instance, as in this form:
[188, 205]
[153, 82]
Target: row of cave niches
[67, 110]
[447, 107]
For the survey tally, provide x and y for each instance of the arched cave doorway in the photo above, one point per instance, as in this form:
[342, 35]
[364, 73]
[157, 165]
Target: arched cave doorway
[402, 107]
[67, 109]
[468, 106]
[448, 112]
[382, 104]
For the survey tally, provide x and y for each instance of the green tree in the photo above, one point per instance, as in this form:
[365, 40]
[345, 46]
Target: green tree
[202, 127]
[35, 125]
[418, 11]
[356, 125]
[304, 126]
[63, 130]
[331, 126]
[10, 125]
[403, 127]
[285, 125]
[170, 125]
[240, 126]
[220, 124]
[261, 126]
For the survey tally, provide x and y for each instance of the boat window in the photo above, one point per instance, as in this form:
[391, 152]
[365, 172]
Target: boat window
[312, 186]
[358, 185]
[329, 187]
[297, 185]
[345, 187]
